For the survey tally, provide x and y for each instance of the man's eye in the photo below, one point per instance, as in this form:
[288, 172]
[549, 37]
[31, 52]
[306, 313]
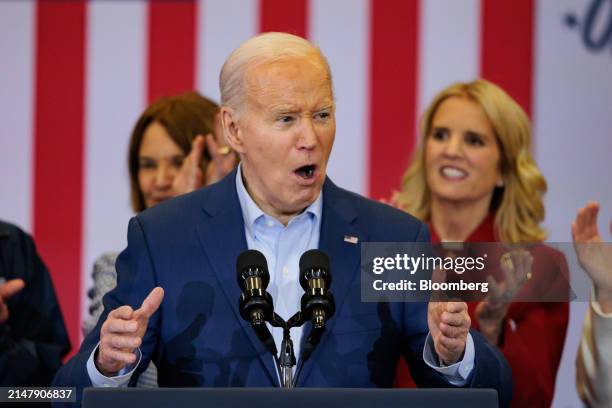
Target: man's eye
[322, 115]
[473, 139]
[285, 119]
[439, 134]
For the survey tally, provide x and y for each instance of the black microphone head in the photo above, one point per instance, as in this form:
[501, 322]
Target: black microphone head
[314, 263]
[252, 263]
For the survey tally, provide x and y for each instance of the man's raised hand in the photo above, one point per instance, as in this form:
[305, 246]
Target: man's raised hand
[449, 324]
[122, 333]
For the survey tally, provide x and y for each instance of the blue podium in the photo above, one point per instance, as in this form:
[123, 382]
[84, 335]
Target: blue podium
[292, 398]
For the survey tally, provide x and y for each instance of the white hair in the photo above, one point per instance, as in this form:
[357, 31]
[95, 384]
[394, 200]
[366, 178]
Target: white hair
[260, 49]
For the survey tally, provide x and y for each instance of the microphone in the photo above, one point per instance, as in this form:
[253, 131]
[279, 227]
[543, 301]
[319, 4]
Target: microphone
[255, 304]
[317, 302]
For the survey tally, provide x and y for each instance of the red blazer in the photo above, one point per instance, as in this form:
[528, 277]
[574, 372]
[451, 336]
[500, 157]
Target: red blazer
[533, 333]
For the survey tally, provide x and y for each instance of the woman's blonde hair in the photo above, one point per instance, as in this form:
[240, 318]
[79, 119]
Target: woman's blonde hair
[518, 205]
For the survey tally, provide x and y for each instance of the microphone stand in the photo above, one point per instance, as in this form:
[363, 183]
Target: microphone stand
[286, 361]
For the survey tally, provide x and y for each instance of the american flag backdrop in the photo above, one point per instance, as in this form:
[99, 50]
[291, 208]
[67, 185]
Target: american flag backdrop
[75, 75]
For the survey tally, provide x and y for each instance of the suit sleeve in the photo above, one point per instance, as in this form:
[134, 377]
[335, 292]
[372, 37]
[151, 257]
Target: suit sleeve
[135, 280]
[34, 339]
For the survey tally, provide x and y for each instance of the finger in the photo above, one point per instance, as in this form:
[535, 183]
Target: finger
[126, 357]
[592, 211]
[441, 349]
[122, 342]
[11, 288]
[521, 260]
[197, 149]
[455, 319]
[120, 326]
[452, 332]
[123, 312]
[580, 219]
[151, 303]
[456, 307]
[610, 227]
[453, 346]
[440, 308]
[508, 265]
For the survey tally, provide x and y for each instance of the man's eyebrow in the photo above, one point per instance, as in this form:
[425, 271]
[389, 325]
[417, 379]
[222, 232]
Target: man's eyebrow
[279, 109]
[276, 109]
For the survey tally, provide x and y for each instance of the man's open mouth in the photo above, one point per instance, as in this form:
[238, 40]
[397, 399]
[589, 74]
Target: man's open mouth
[306, 172]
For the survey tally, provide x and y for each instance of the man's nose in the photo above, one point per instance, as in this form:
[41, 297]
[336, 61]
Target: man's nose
[308, 135]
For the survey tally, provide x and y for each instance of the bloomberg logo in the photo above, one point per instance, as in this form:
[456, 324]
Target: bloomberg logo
[596, 25]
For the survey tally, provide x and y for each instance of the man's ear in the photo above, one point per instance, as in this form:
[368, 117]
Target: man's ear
[231, 130]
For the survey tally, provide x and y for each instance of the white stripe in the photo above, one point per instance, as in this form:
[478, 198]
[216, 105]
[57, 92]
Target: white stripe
[449, 45]
[16, 111]
[573, 111]
[341, 29]
[222, 27]
[116, 77]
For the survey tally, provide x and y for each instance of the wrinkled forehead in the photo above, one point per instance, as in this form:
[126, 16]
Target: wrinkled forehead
[300, 74]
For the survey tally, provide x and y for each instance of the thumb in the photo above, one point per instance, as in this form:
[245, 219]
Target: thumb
[151, 303]
[11, 287]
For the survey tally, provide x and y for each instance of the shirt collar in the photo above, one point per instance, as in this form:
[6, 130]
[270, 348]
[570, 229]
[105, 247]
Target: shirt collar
[251, 211]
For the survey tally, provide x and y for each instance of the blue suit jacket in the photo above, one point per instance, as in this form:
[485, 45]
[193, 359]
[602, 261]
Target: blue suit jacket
[189, 246]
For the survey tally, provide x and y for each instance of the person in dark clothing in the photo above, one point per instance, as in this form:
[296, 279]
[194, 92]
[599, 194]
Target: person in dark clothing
[33, 337]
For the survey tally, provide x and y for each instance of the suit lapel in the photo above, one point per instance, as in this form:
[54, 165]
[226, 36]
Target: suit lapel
[337, 239]
[221, 232]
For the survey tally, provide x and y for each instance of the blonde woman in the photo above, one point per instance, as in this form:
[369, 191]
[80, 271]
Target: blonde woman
[473, 179]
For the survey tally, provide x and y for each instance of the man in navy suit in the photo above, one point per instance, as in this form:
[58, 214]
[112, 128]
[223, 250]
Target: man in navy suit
[278, 114]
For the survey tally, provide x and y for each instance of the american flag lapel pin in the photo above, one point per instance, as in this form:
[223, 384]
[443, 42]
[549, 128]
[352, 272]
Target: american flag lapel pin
[351, 239]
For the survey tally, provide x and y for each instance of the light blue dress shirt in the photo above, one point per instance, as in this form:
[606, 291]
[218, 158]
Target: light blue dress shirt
[283, 246]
